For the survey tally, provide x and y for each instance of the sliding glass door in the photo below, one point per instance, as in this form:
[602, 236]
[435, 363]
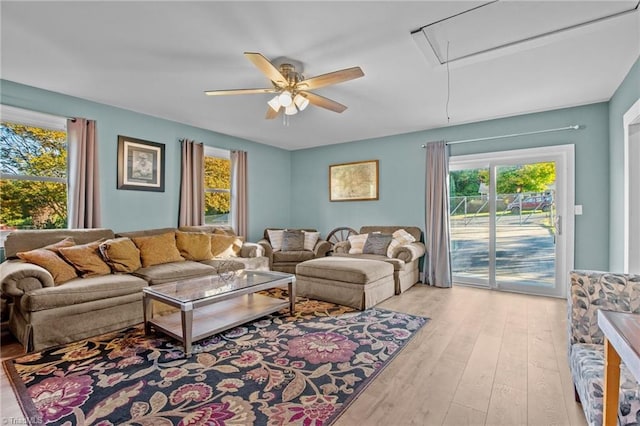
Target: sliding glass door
[507, 215]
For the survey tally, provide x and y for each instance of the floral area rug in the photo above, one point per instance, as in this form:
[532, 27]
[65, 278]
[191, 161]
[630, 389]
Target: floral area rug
[279, 370]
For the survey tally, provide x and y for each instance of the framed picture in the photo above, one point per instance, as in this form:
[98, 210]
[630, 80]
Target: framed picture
[140, 164]
[354, 181]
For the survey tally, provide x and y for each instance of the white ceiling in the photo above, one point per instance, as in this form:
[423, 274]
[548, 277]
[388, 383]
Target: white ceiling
[157, 58]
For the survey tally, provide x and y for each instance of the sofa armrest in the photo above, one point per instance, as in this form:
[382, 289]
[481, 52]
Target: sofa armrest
[409, 252]
[17, 278]
[251, 250]
[322, 248]
[268, 250]
[342, 247]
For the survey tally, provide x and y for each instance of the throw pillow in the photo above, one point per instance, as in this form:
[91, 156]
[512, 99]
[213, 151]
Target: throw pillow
[310, 240]
[224, 231]
[225, 245]
[194, 245]
[121, 255]
[400, 238]
[403, 237]
[60, 270]
[158, 249]
[357, 243]
[377, 244]
[275, 238]
[67, 242]
[292, 240]
[86, 258]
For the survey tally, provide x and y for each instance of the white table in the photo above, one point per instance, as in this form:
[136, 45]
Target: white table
[622, 342]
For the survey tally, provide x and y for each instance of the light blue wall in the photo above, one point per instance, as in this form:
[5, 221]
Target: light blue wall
[268, 168]
[402, 170]
[626, 95]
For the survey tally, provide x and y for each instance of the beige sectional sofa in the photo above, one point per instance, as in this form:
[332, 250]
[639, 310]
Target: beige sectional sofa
[404, 257]
[46, 313]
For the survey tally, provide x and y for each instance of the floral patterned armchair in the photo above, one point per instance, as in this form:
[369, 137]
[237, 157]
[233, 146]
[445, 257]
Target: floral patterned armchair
[591, 291]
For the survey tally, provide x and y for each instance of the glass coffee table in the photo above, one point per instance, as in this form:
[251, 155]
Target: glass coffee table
[211, 304]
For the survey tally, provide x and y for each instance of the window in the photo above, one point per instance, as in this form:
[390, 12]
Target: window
[33, 170]
[217, 186]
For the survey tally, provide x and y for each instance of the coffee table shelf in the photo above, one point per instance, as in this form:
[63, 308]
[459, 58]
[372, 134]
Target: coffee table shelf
[214, 303]
[213, 319]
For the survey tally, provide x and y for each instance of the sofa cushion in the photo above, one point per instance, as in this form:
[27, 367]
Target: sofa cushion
[310, 239]
[60, 270]
[275, 238]
[221, 266]
[376, 244]
[86, 258]
[223, 245]
[81, 290]
[357, 243]
[194, 245]
[292, 256]
[292, 240]
[587, 367]
[345, 269]
[173, 271]
[158, 249]
[121, 254]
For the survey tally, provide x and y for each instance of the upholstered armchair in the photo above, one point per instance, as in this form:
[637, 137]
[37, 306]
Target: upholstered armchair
[285, 248]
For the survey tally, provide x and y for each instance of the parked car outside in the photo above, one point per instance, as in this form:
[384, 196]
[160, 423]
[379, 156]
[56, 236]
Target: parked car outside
[538, 202]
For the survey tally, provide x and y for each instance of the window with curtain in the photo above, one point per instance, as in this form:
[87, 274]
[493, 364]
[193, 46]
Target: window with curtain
[217, 186]
[33, 170]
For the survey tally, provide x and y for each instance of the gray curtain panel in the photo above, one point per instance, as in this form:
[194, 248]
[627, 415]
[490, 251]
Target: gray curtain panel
[239, 192]
[191, 212]
[437, 267]
[84, 185]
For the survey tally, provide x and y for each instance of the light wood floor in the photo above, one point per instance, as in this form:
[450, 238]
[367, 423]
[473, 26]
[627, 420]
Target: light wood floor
[485, 358]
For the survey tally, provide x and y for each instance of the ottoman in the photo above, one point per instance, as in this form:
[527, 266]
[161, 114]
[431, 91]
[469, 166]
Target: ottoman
[358, 283]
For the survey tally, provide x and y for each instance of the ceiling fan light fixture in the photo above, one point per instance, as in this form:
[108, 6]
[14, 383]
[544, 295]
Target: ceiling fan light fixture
[275, 103]
[301, 102]
[291, 109]
[285, 98]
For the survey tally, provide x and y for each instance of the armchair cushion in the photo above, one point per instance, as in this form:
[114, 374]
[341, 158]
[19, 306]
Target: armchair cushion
[377, 243]
[292, 240]
[293, 256]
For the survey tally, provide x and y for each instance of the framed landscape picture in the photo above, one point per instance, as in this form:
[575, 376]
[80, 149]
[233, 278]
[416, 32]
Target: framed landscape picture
[140, 165]
[354, 181]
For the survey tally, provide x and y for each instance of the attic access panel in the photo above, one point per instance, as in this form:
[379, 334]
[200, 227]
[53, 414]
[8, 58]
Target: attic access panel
[498, 24]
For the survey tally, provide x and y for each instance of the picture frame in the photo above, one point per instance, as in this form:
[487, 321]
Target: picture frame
[140, 164]
[357, 181]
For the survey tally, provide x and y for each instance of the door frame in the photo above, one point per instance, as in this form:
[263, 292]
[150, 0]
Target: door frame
[564, 156]
[630, 118]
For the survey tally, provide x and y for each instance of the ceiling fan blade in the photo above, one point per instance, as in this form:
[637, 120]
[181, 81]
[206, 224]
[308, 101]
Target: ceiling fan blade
[267, 68]
[271, 113]
[323, 102]
[331, 78]
[239, 91]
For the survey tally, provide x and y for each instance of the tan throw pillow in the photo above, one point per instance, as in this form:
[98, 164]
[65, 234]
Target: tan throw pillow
[121, 255]
[60, 270]
[224, 231]
[194, 245]
[275, 238]
[55, 247]
[158, 249]
[86, 259]
[310, 240]
[357, 243]
[225, 245]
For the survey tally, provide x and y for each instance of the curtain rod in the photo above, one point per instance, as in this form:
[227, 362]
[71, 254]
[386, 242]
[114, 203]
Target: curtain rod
[573, 127]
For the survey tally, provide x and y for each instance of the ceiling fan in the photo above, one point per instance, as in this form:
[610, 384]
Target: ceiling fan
[291, 88]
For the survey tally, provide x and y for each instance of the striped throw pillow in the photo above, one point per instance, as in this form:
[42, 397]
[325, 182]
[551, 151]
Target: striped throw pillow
[275, 238]
[357, 243]
[310, 240]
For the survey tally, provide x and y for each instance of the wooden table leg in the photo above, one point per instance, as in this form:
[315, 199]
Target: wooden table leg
[611, 385]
